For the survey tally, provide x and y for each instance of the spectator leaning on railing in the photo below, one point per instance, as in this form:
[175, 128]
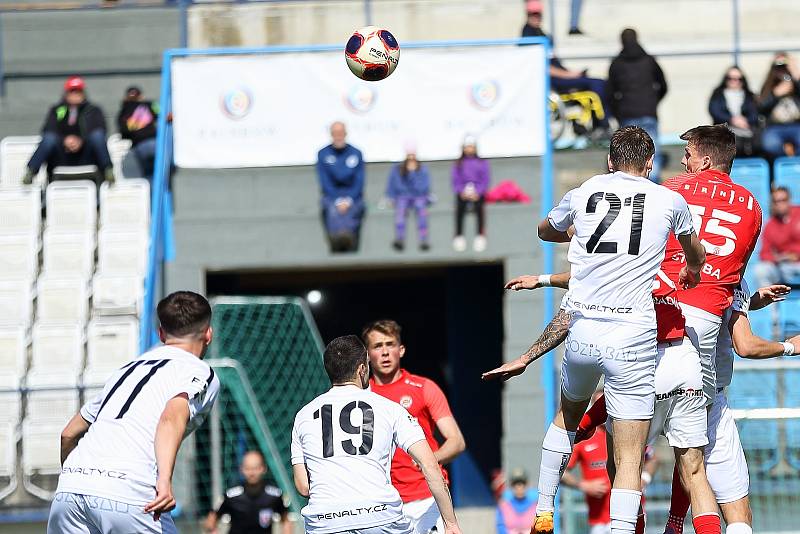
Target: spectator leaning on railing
[734, 104]
[780, 243]
[74, 133]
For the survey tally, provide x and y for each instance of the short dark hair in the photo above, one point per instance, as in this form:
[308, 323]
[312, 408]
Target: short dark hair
[630, 148]
[342, 357]
[717, 142]
[387, 327]
[781, 188]
[184, 313]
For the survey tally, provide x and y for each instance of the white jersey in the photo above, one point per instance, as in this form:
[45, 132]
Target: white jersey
[724, 351]
[622, 223]
[116, 458]
[346, 438]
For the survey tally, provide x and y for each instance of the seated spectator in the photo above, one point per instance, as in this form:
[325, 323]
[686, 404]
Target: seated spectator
[340, 168]
[562, 79]
[516, 509]
[470, 183]
[779, 102]
[780, 243]
[136, 121]
[74, 133]
[409, 188]
[733, 102]
[636, 85]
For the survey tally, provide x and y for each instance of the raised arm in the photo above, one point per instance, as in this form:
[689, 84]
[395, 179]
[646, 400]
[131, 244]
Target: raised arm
[169, 434]
[768, 295]
[72, 433]
[423, 455]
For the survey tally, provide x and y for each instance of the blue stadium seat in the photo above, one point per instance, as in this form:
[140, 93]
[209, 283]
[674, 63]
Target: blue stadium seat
[787, 173]
[753, 173]
[789, 314]
[760, 437]
[791, 399]
[753, 389]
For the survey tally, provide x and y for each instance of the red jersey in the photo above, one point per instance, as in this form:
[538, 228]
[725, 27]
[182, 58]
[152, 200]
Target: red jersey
[425, 401]
[727, 219]
[670, 322]
[592, 456]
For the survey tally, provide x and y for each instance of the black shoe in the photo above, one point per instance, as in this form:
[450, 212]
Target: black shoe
[575, 31]
[398, 245]
[424, 246]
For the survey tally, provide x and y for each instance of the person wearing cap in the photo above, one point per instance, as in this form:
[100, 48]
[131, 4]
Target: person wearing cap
[74, 133]
[136, 121]
[409, 187]
[471, 178]
[516, 509]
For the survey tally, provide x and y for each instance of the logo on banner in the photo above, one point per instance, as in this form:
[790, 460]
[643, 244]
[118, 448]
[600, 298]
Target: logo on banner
[360, 98]
[237, 102]
[485, 94]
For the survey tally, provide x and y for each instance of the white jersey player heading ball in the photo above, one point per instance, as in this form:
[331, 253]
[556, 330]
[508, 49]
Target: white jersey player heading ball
[119, 452]
[342, 447]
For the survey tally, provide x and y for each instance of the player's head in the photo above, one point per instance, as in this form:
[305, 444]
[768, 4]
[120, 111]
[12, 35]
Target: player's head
[338, 134]
[631, 151]
[384, 345]
[519, 482]
[253, 467]
[709, 147]
[346, 361]
[781, 204]
[185, 317]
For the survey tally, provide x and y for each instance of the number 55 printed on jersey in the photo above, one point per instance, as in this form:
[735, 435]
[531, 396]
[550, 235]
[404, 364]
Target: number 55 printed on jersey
[713, 227]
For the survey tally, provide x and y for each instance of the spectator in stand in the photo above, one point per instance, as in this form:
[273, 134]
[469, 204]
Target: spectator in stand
[340, 168]
[733, 102]
[779, 102]
[470, 182]
[136, 121]
[574, 17]
[409, 188]
[516, 509]
[636, 85]
[74, 133]
[562, 79]
[780, 243]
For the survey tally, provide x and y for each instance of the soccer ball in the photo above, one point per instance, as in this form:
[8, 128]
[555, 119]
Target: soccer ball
[372, 53]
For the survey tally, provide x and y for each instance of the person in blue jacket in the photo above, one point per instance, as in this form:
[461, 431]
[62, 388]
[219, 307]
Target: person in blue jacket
[409, 187]
[340, 168]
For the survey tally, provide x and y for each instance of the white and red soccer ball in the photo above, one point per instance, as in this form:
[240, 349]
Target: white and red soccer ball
[372, 53]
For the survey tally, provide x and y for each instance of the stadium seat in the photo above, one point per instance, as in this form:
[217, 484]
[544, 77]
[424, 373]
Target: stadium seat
[126, 205]
[789, 316]
[41, 455]
[118, 148]
[51, 407]
[10, 405]
[122, 252]
[117, 295]
[19, 256]
[21, 210]
[111, 343]
[791, 399]
[751, 389]
[61, 300]
[68, 253]
[72, 205]
[57, 355]
[13, 357]
[8, 457]
[787, 174]
[753, 173]
[761, 322]
[15, 152]
[16, 302]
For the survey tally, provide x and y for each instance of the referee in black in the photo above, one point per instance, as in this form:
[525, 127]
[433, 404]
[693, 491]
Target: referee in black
[254, 506]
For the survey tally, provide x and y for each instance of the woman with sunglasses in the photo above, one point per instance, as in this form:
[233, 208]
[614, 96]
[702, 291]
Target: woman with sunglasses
[733, 102]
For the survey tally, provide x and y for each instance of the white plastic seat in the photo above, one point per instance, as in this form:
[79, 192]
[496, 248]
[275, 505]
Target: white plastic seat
[9, 407]
[121, 252]
[118, 148]
[13, 357]
[19, 256]
[117, 295]
[57, 355]
[72, 205]
[111, 343]
[41, 451]
[16, 302]
[8, 449]
[126, 205]
[15, 152]
[21, 210]
[68, 253]
[61, 300]
[51, 407]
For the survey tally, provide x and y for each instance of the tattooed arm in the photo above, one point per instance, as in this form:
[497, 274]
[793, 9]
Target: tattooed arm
[554, 334]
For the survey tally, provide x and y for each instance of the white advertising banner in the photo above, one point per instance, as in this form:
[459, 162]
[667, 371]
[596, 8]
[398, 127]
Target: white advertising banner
[276, 109]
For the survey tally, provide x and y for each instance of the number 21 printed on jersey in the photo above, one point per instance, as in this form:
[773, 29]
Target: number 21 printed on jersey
[615, 205]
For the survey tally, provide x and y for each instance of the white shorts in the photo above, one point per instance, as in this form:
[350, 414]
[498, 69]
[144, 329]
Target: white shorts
[702, 327]
[72, 513]
[726, 466]
[600, 528]
[624, 354]
[680, 412]
[424, 516]
[397, 527]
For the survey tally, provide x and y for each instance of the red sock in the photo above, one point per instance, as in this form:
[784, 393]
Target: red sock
[707, 524]
[678, 505]
[641, 521]
[594, 417]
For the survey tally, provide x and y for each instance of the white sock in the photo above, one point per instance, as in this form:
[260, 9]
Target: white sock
[556, 450]
[624, 510]
[738, 528]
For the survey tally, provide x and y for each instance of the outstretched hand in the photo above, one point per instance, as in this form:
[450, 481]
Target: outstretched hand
[774, 293]
[526, 281]
[506, 371]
